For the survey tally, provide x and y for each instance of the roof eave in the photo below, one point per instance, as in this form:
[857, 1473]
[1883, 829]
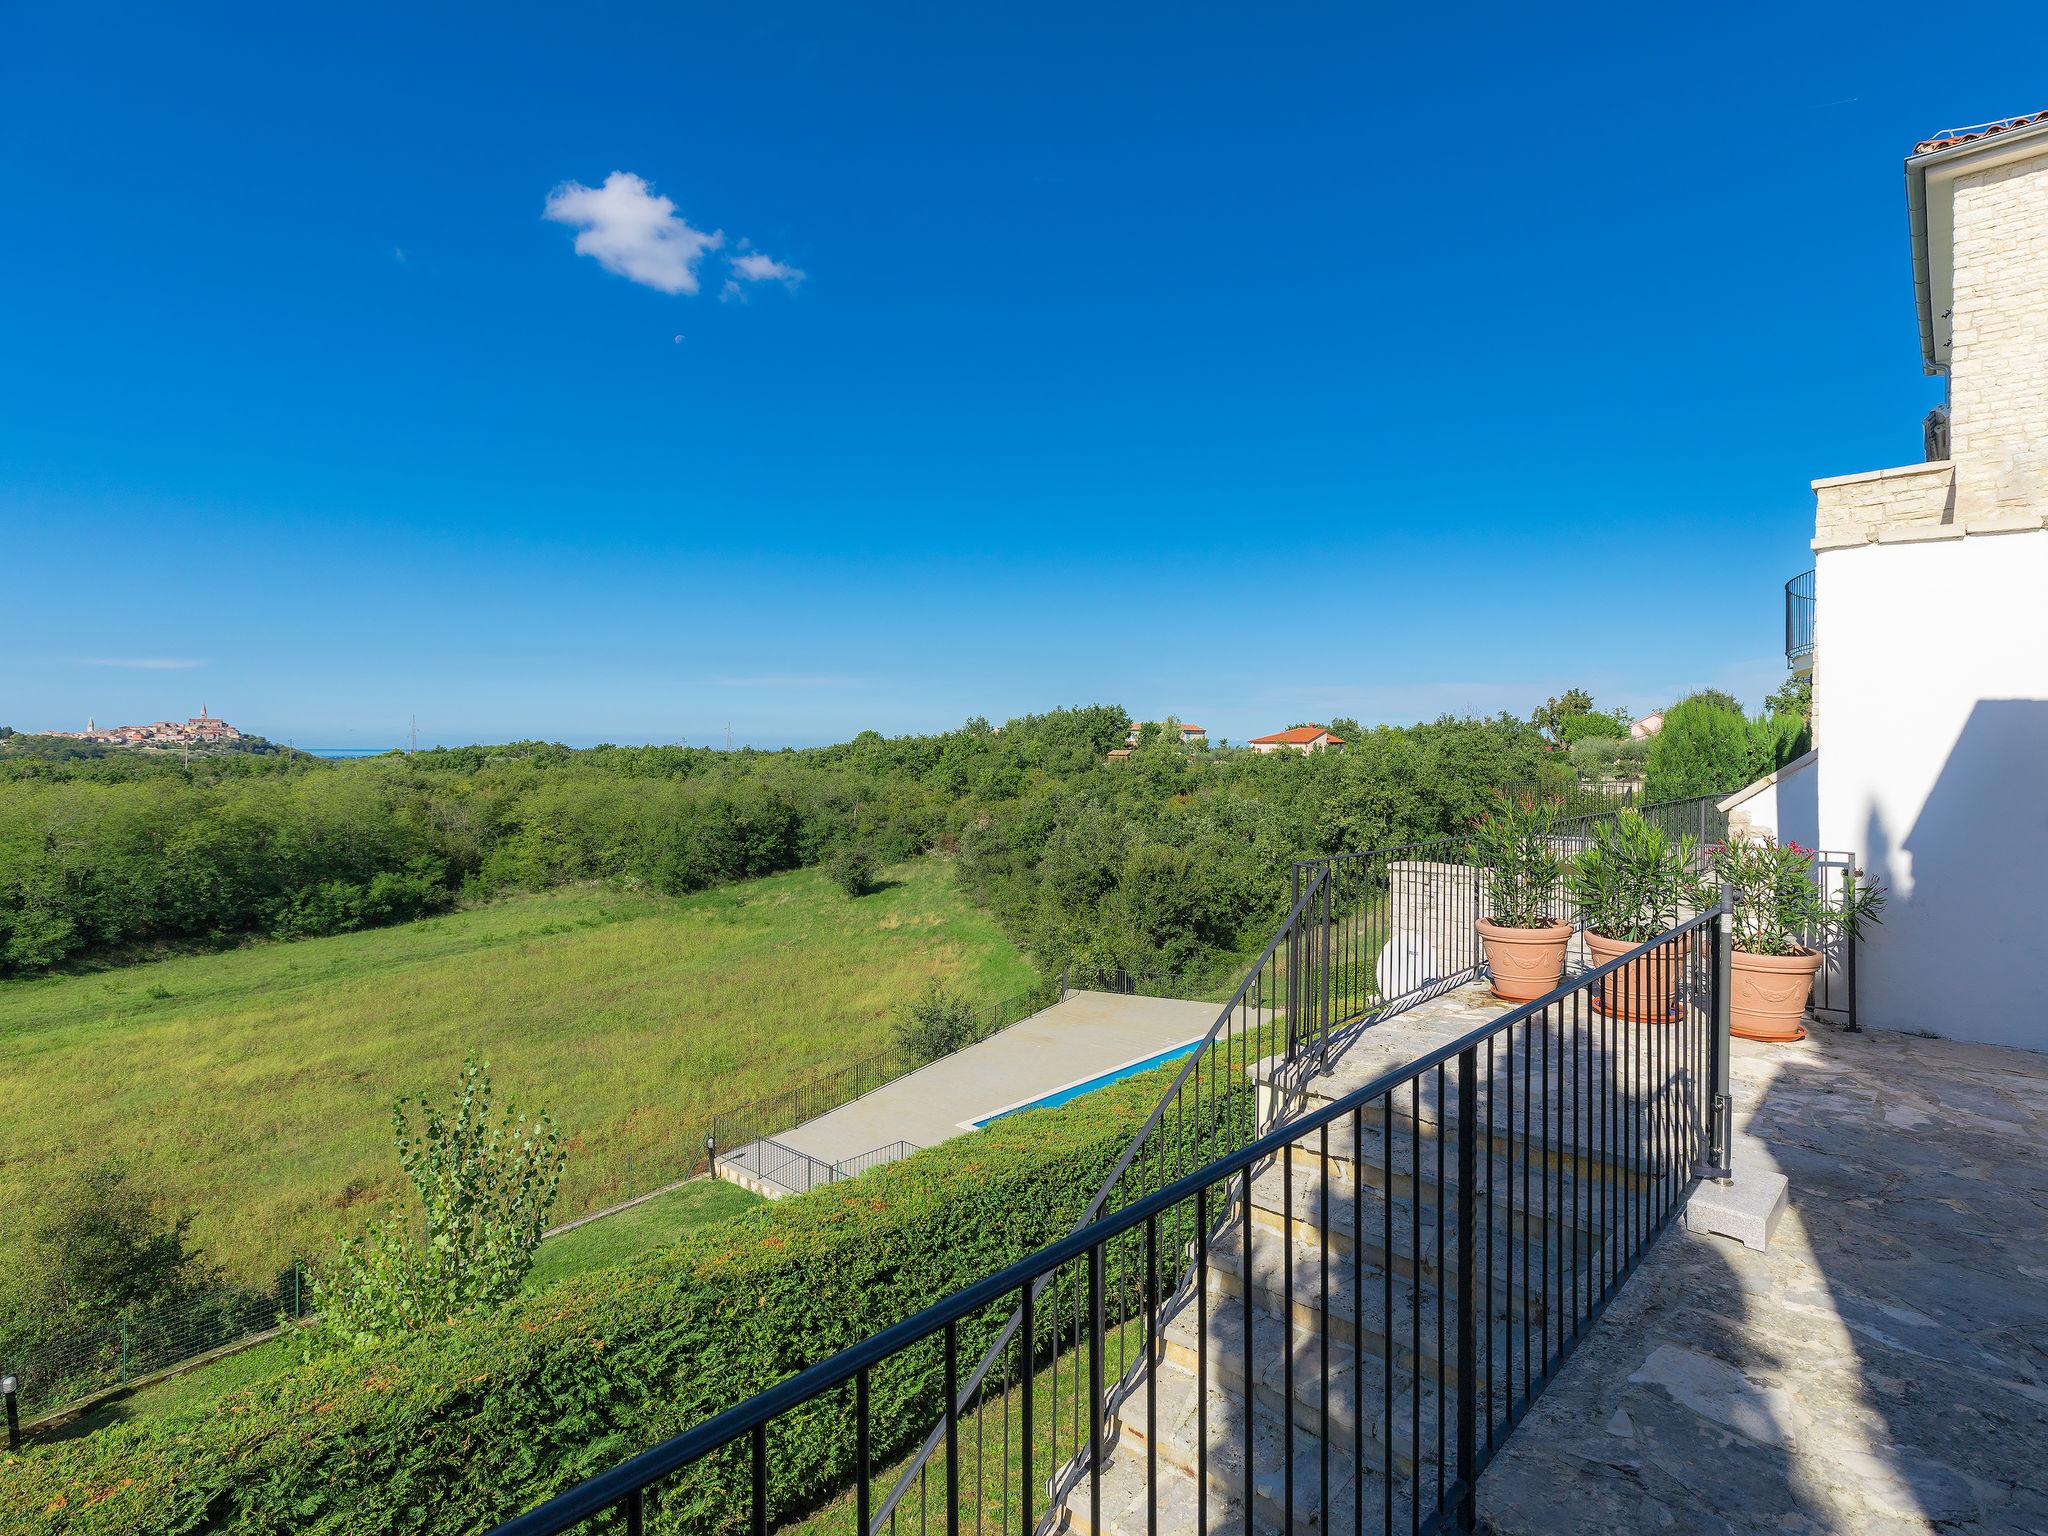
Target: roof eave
[1946, 161]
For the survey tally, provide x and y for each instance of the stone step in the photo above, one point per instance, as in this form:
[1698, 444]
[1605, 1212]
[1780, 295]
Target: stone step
[1625, 1140]
[1219, 1455]
[1574, 1185]
[1129, 1502]
[1350, 1207]
[1350, 1314]
[1187, 1335]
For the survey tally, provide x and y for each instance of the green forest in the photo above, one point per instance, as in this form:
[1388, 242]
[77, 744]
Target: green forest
[1161, 861]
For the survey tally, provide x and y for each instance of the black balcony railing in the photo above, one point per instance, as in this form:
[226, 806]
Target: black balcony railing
[1366, 936]
[1339, 1320]
[1799, 619]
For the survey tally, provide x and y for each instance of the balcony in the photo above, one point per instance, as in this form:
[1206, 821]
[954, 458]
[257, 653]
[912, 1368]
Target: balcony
[1799, 622]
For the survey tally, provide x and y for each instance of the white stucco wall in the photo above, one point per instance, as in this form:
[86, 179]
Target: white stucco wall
[1931, 682]
[1784, 805]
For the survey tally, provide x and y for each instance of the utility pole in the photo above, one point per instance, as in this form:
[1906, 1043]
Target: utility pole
[728, 735]
[415, 719]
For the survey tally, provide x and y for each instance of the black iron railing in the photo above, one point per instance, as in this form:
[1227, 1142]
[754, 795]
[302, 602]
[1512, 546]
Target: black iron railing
[1799, 619]
[796, 1172]
[1389, 928]
[1340, 1320]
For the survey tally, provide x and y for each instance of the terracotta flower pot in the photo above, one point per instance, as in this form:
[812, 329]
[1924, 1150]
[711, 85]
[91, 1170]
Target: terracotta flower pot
[1525, 962]
[1770, 994]
[1644, 991]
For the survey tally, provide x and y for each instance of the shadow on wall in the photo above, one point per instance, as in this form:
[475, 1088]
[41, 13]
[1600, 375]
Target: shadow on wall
[1953, 953]
[1799, 805]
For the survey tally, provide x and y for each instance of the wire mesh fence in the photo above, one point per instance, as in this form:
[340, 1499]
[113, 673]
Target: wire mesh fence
[74, 1363]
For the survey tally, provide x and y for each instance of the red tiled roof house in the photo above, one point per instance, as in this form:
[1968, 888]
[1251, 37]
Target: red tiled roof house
[1301, 738]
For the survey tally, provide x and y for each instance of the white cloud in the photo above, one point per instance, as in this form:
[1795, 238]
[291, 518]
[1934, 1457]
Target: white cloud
[142, 663]
[631, 231]
[756, 267]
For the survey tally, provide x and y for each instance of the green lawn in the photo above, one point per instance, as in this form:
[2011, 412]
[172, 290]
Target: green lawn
[615, 1239]
[253, 1087]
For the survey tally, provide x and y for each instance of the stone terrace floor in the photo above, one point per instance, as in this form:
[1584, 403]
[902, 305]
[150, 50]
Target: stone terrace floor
[1882, 1369]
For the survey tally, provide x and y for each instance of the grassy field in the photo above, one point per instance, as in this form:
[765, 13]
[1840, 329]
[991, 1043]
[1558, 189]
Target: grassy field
[253, 1087]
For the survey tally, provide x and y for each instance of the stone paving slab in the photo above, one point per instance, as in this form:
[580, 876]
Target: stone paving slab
[1882, 1369]
[1085, 1035]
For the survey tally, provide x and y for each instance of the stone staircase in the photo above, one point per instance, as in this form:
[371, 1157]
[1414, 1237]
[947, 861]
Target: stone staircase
[1347, 1294]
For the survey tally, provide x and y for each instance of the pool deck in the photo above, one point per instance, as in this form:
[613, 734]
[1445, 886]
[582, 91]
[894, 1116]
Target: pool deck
[1088, 1034]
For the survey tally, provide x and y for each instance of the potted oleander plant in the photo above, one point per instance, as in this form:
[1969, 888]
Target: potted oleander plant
[1524, 937]
[1783, 916]
[1631, 885]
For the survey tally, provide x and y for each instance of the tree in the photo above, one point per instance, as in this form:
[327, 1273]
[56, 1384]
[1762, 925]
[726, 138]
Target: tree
[1594, 724]
[937, 1022]
[1794, 696]
[101, 1247]
[1551, 715]
[1704, 749]
[1720, 698]
[853, 869]
[484, 1191]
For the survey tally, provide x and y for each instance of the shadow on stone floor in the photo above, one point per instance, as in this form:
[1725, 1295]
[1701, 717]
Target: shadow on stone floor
[1884, 1368]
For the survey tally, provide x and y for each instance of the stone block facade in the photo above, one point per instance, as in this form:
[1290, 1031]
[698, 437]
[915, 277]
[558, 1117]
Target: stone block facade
[1886, 506]
[1998, 368]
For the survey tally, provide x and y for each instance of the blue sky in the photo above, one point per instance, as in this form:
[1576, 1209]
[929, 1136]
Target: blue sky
[1251, 363]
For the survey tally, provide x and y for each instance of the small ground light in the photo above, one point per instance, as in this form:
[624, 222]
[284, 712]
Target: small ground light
[9, 1386]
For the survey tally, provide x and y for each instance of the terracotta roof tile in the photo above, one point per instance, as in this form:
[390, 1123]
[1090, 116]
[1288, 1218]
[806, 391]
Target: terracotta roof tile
[1296, 737]
[1951, 136]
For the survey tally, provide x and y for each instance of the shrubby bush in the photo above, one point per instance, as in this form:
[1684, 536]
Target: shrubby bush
[1707, 748]
[485, 1189]
[454, 1428]
[98, 1247]
[937, 1022]
[852, 869]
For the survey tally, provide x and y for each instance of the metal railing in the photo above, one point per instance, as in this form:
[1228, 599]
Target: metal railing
[1084, 977]
[1329, 972]
[1339, 1320]
[796, 1172]
[1834, 985]
[1209, 1108]
[768, 1117]
[1799, 619]
[1395, 926]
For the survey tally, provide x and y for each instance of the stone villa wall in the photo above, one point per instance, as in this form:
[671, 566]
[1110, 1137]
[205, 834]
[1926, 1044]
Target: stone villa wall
[1998, 372]
[1888, 506]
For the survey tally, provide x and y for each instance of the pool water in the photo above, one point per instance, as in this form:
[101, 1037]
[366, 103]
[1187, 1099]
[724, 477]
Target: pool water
[1102, 1080]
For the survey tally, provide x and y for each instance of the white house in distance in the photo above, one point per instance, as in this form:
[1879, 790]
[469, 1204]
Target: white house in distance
[1301, 738]
[1188, 735]
[1927, 624]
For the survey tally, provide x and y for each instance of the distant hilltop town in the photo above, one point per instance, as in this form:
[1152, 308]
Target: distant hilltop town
[202, 730]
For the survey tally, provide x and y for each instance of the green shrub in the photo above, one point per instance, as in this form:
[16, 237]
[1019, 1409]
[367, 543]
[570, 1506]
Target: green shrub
[101, 1246]
[1594, 725]
[453, 1429]
[1703, 749]
[937, 1022]
[484, 1194]
[1520, 864]
[852, 869]
[1635, 879]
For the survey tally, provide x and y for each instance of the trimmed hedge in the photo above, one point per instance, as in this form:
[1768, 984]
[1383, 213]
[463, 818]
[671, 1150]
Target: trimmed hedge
[456, 1429]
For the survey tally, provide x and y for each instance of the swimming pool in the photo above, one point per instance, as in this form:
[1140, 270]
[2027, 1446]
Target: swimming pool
[1088, 1084]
